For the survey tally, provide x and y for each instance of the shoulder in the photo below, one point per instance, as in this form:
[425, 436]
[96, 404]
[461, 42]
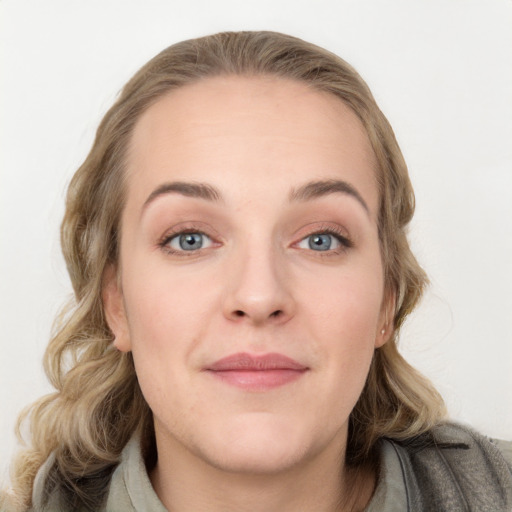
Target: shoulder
[55, 490]
[505, 448]
[455, 468]
[124, 487]
[493, 455]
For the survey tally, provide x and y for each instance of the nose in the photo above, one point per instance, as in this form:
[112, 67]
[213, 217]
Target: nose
[259, 290]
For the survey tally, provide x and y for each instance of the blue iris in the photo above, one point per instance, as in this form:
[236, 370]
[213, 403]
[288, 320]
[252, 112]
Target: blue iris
[320, 242]
[191, 241]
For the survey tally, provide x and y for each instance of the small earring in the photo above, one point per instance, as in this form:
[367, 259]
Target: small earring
[383, 331]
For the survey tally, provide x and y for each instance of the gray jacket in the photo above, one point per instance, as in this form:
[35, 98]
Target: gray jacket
[458, 471]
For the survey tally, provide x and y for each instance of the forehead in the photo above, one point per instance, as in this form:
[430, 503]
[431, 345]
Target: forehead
[250, 132]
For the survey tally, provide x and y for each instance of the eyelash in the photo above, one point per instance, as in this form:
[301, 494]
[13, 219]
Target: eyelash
[338, 234]
[168, 237]
[345, 242]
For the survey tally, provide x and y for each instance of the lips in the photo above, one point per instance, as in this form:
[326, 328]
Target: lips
[256, 372]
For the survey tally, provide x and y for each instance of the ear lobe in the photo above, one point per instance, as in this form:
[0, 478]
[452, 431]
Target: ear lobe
[113, 306]
[386, 326]
[383, 336]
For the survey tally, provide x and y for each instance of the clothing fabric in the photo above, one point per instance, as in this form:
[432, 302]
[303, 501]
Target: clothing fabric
[461, 471]
[452, 470]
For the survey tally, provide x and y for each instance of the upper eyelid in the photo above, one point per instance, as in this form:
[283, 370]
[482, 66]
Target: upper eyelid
[171, 235]
[321, 228]
[190, 227]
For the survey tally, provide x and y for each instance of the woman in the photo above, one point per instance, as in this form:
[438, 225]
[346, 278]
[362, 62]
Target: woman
[236, 242]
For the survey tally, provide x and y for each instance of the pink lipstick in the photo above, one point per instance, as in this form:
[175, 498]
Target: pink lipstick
[257, 372]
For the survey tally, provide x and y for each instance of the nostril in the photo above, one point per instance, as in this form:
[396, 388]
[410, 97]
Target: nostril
[239, 313]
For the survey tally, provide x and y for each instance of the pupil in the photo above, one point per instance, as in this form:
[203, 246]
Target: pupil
[190, 241]
[320, 242]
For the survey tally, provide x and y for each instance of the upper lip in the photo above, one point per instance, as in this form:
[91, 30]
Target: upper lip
[251, 362]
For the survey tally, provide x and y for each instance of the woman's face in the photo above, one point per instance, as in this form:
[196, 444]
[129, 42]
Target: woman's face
[251, 285]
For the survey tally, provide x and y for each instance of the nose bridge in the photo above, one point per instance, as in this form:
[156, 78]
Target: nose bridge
[258, 290]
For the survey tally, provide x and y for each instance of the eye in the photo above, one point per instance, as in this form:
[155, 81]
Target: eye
[324, 242]
[188, 241]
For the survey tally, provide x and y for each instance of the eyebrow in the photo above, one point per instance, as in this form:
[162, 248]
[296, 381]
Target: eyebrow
[317, 189]
[306, 192]
[198, 190]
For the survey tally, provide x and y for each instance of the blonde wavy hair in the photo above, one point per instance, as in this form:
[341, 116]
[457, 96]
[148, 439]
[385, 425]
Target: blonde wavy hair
[98, 404]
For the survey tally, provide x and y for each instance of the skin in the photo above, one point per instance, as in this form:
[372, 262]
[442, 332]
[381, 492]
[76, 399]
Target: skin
[255, 286]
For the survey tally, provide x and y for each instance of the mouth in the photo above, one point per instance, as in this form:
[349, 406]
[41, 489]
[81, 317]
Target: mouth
[256, 372]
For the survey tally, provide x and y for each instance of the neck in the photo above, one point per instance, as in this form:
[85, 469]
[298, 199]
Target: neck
[184, 482]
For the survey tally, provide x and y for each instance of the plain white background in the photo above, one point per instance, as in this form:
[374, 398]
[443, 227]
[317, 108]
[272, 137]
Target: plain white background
[441, 71]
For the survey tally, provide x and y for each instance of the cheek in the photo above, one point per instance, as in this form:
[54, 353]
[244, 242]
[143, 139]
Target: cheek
[166, 316]
[348, 303]
[342, 316]
[170, 312]
[163, 304]
[164, 331]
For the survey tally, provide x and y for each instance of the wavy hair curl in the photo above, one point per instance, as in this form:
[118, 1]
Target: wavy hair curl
[98, 404]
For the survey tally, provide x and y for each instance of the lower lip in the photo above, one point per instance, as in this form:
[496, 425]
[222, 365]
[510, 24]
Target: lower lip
[258, 380]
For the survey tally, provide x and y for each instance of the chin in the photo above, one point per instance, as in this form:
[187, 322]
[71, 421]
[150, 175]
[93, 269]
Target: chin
[257, 446]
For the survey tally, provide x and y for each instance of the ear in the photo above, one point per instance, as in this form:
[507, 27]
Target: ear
[385, 326]
[113, 306]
